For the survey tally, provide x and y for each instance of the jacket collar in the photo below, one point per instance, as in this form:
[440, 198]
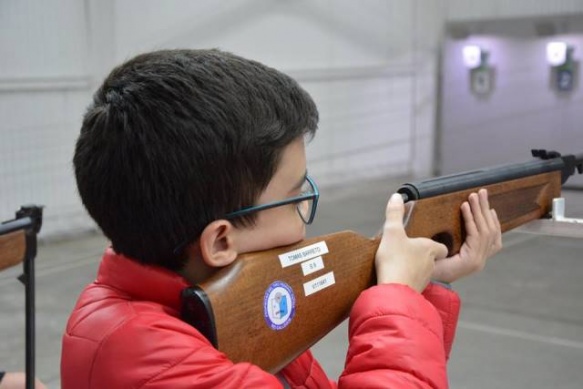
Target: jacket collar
[141, 282]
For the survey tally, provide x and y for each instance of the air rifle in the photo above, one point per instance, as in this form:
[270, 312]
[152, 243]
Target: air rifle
[269, 307]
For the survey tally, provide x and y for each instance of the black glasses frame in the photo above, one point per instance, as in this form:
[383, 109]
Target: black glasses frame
[314, 196]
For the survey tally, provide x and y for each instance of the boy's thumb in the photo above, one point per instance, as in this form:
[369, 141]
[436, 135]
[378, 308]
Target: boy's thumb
[395, 209]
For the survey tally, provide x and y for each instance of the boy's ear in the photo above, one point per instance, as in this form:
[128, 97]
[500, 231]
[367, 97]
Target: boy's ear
[217, 243]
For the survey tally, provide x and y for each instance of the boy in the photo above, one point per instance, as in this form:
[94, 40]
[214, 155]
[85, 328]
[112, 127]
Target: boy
[174, 150]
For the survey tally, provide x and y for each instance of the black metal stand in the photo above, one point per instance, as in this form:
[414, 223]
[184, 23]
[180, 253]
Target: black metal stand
[28, 218]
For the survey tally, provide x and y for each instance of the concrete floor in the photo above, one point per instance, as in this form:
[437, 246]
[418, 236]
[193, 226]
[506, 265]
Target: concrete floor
[521, 324]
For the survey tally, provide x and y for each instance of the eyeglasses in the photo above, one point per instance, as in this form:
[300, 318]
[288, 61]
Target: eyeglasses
[306, 203]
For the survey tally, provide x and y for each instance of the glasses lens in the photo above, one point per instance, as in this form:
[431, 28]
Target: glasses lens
[305, 207]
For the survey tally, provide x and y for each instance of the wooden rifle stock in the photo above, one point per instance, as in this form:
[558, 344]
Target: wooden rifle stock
[231, 308]
[12, 248]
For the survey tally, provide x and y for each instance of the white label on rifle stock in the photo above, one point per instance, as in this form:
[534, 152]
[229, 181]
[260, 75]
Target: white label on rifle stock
[317, 284]
[303, 254]
[312, 266]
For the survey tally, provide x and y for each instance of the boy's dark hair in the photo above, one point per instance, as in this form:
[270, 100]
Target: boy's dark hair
[175, 139]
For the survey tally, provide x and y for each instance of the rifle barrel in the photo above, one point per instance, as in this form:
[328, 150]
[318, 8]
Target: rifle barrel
[477, 178]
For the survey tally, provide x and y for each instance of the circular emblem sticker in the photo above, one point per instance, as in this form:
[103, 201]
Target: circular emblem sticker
[279, 305]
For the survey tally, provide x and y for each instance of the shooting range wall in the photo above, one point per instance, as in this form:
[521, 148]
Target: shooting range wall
[525, 107]
[370, 65]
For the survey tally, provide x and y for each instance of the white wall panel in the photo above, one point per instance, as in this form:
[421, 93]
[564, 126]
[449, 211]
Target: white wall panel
[36, 148]
[44, 86]
[42, 38]
[354, 57]
[358, 59]
[424, 106]
[496, 9]
[287, 35]
[365, 129]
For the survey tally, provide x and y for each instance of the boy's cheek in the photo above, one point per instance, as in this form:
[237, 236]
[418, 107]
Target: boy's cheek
[284, 229]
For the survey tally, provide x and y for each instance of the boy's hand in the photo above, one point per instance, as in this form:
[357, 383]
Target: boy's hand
[400, 259]
[483, 240]
[17, 380]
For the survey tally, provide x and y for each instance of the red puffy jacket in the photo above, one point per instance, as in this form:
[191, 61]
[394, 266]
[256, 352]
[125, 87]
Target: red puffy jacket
[125, 332]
